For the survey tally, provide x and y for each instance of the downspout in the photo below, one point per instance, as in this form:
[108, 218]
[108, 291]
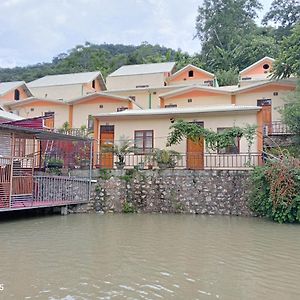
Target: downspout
[90, 170]
[150, 100]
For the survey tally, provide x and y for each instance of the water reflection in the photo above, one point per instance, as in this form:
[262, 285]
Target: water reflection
[149, 257]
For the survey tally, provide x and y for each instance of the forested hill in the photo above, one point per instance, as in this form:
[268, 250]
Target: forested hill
[91, 57]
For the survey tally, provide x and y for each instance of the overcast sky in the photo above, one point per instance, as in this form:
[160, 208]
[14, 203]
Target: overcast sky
[33, 31]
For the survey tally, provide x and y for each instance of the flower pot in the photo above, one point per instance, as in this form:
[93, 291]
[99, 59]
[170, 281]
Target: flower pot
[120, 165]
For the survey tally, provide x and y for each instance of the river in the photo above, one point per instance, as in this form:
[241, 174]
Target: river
[148, 257]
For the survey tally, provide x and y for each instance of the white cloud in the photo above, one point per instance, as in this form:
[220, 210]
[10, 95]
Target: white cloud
[33, 31]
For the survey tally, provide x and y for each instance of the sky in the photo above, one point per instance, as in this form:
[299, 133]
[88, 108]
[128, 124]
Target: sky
[34, 31]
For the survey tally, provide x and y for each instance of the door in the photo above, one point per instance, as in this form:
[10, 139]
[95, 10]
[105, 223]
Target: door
[266, 108]
[49, 120]
[107, 133]
[195, 152]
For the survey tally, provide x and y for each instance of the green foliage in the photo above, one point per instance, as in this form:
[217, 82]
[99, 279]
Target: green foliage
[105, 174]
[285, 13]
[276, 190]
[165, 158]
[128, 208]
[129, 175]
[288, 62]
[229, 77]
[214, 140]
[120, 149]
[291, 111]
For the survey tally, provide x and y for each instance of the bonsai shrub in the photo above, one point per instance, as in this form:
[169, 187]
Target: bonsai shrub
[165, 158]
[276, 190]
[54, 165]
[120, 149]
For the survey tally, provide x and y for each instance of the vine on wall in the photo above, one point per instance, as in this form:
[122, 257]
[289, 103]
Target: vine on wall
[214, 140]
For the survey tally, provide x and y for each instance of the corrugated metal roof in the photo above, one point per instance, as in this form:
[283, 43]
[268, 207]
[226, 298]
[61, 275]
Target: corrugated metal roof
[9, 116]
[64, 79]
[144, 69]
[179, 111]
[8, 86]
[42, 134]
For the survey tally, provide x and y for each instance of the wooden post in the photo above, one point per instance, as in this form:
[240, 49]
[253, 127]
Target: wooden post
[11, 167]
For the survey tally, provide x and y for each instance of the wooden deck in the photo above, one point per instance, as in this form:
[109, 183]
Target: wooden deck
[48, 191]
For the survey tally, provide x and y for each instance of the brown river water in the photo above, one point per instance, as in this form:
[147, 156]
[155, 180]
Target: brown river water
[148, 257]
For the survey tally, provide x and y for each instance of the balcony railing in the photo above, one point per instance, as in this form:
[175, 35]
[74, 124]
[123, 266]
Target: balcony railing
[184, 161]
[276, 128]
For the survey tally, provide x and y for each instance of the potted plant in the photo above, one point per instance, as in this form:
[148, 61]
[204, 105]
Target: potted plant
[166, 159]
[120, 149]
[54, 163]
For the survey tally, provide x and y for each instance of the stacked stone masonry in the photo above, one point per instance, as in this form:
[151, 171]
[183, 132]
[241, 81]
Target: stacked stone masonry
[173, 191]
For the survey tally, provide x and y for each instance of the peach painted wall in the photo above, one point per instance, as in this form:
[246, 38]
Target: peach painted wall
[161, 126]
[202, 98]
[65, 92]
[183, 78]
[81, 111]
[130, 82]
[142, 96]
[87, 87]
[10, 96]
[39, 108]
[256, 73]
[251, 97]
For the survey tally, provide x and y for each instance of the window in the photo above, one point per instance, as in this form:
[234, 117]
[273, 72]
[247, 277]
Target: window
[233, 149]
[170, 105]
[266, 66]
[209, 82]
[275, 94]
[90, 124]
[20, 147]
[49, 114]
[132, 98]
[121, 108]
[143, 141]
[17, 95]
[31, 109]
[264, 102]
[190, 100]
[100, 106]
[93, 84]
[142, 86]
[191, 73]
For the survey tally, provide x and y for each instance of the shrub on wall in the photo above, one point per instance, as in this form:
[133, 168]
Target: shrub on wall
[276, 190]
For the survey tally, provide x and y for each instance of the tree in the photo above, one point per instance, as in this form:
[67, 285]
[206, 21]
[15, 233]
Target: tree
[288, 62]
[291, 113]
[222, 23]
[286, 13]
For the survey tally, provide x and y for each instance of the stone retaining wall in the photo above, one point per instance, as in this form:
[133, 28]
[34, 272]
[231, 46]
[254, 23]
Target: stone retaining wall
[172, 191]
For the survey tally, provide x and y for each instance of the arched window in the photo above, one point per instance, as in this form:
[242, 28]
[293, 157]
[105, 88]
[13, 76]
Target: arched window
[191, 73]
[93, 84]
[17, 95]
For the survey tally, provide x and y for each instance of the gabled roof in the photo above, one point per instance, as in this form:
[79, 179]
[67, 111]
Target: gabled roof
[144, 69]
[93, 95]
[6, 87]
[9, 116]
[177, 111]
[284, 82]
[194, 88]
[257, 63]
[31, 100]
[66, 79]
[190, 66]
